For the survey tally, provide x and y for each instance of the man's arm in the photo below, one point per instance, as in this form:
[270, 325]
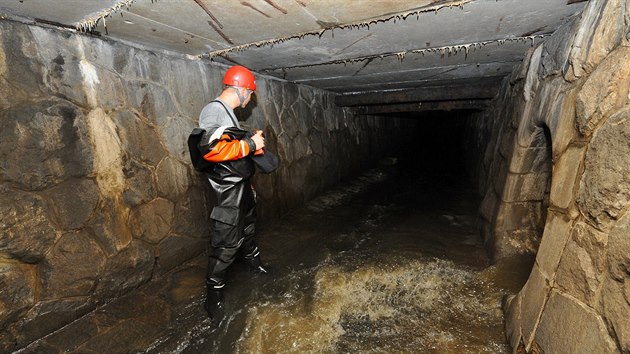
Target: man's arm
[227, 149]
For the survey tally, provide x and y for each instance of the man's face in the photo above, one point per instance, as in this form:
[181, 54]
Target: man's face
[247, 93]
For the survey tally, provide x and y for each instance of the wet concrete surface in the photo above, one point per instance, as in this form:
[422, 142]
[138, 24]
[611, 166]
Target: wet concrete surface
[388, 262]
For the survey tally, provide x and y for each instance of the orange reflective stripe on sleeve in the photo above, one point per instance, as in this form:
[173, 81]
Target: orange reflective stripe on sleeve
[227, 150]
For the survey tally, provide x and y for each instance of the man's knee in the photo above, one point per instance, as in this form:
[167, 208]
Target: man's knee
[249, 230]
[226, 251]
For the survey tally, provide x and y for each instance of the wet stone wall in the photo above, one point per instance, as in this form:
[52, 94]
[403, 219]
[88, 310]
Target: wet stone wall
[555, 181]
[97, 195]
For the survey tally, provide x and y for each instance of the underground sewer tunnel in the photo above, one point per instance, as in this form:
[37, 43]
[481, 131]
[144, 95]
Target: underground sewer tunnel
[481, 214]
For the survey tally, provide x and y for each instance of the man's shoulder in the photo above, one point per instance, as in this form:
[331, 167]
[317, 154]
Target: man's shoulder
[214, 114]
[214, 106]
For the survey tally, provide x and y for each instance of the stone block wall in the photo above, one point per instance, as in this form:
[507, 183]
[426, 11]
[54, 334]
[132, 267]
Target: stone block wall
[97, 195]
[555, 181]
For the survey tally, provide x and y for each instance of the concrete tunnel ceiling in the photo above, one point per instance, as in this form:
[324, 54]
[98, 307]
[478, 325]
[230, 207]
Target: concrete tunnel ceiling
[387, 56]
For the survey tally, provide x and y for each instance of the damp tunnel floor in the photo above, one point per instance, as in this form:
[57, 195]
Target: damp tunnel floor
[388, 262]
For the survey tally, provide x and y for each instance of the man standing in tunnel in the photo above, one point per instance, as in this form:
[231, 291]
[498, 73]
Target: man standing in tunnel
[234, 216]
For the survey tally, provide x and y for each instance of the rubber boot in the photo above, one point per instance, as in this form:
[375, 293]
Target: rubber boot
[215, 305]
[255, 265]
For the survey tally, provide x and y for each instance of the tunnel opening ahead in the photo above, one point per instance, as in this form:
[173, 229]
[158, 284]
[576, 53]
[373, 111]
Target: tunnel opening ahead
[449, 156]
[438, 148]
[449, 150]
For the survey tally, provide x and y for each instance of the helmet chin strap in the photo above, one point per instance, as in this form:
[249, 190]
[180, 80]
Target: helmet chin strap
[241, 98]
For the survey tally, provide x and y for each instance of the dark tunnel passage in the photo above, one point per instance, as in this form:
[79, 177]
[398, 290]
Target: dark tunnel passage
[391, 261]
[438, 151]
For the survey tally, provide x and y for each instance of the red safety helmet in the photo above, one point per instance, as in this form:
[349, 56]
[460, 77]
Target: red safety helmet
[240, 76]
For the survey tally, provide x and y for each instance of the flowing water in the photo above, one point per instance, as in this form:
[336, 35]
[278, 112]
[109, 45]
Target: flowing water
[388, 263]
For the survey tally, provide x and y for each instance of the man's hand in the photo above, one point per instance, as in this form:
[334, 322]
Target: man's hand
[258, 139]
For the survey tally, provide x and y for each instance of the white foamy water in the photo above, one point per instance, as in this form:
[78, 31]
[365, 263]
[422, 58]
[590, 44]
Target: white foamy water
[428, 306]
